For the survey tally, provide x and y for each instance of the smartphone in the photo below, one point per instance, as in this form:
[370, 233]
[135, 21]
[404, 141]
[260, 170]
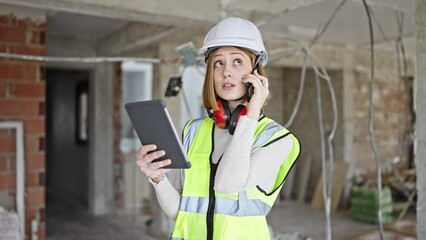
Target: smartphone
[249, 87]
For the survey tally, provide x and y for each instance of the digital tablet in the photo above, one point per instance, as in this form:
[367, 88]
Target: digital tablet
[153, 125]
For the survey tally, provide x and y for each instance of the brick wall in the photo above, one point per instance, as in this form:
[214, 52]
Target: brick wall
[22, 98]
[392, 114]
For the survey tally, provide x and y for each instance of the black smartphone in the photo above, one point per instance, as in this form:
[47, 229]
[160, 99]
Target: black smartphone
[249, 87]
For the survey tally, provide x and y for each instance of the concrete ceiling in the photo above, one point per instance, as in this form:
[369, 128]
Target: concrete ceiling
[100, 20]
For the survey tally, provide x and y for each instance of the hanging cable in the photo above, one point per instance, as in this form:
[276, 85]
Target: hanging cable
[321, 30]
[377, 23]
[371, 127]
[299, 94]
[323, 162]
[328, 185]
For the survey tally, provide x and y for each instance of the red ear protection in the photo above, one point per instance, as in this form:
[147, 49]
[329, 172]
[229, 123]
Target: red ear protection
[225, 119]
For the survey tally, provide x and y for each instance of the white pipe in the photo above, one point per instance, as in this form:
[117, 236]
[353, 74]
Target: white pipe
[20, 170]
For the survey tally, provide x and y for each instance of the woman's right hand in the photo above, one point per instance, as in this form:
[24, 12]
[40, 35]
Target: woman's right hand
[153, 170]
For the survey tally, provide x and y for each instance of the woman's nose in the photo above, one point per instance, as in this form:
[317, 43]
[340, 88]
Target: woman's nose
[227, 72]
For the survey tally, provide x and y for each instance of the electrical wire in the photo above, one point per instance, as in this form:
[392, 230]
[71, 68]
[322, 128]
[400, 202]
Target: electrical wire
[371, 127]
[299, 94]
[323, 161]
[320, 72]
[377, 23]
[327, 186]
[321, 30]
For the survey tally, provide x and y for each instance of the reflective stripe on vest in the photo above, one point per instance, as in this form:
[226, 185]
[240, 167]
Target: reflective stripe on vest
[236, 215]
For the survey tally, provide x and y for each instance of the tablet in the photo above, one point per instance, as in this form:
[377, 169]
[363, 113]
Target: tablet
[153, 125]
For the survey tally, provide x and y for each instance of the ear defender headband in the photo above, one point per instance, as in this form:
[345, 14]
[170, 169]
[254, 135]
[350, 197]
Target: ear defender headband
[225, 119]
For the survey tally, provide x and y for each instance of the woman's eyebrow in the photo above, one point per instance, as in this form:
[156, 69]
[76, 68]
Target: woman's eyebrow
[232, 53]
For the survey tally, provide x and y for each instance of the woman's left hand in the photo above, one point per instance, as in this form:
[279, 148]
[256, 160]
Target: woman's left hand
[259, 95]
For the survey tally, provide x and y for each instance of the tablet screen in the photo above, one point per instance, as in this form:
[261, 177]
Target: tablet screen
[153, 125]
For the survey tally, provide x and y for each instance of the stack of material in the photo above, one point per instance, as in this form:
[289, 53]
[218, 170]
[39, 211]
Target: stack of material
[9, 225]
[364, 205]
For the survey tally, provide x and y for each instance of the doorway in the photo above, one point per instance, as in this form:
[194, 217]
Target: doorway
[67, 148]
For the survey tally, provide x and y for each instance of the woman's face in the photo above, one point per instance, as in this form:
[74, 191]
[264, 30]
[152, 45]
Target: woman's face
[230, 64]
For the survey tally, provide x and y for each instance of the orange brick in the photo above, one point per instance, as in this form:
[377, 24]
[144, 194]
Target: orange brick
[31, 144]
[4, 48]
[35, 162]
[7, 164]
[32, 179]
[4, 20]
[7, 181]
[18, 108]
[26, 71]
[7, 145]
[34, 126]
[25, 90]
[42, 230]
[35, 197]
[12, 34]
[30, 213]
[6, 133]
[38, 51]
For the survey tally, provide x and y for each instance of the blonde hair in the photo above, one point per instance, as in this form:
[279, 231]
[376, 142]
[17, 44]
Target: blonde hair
[209, 94]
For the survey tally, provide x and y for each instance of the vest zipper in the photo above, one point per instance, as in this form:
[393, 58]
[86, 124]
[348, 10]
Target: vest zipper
[212, 198]
[212, 202]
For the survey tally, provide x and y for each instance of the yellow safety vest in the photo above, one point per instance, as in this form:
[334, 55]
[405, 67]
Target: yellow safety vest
[205, 213]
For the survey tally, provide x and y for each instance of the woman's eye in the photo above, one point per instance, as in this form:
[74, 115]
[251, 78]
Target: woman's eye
[238, 62]
[218, 63]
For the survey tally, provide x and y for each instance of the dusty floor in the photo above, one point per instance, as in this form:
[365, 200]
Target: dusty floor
[289, 221]
[291, 217]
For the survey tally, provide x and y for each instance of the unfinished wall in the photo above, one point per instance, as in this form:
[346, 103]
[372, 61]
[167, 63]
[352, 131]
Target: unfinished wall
[420, 103]
[349, 67]
[22, 98]
[391, 110]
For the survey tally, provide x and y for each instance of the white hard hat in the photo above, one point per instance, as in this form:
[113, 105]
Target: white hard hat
[236, 32]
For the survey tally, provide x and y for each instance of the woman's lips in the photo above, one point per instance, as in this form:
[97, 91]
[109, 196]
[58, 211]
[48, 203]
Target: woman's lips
[228, 86]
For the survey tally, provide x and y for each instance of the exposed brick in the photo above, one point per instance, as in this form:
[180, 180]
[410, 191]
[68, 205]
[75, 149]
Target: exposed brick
[12, 34]
[6, 133]
[10, 89]
[32, 179]
[35, 197]
[42, 73]
[4, 20]
[41, 144]
[34, 126]
[2, 89]
[18, 108]
[26, 22]
[7, 181]
[7, 145]
[42, 179]
[5, 164]
[30, 90]
[29, 23]
[42, 230]
[18, 71]
[30, 214]
[38, 38]
[26, 50]
[31, 145]
[42, 37]
[35, 162]
[4, 48]
[42, 108]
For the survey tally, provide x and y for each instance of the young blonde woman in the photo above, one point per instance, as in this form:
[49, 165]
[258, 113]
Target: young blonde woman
[240, 158]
